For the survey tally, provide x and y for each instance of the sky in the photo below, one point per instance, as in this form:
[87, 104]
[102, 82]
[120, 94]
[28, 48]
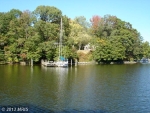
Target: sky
[136, 12]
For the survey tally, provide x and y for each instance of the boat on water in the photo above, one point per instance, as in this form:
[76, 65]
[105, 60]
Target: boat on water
[62, 61]
[48, 63]
[56, 64]
[145, 61]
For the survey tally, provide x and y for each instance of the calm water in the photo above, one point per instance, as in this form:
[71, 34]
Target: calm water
[85, 88]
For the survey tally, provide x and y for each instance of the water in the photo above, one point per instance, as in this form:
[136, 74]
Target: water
[85, 88]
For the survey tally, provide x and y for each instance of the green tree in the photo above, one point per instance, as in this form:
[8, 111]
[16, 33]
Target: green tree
[109, 50]
[19, 30]
[146, 49]
[78, 34]
[66, 29]
[82, 21]
[48, 14]
[112, 29]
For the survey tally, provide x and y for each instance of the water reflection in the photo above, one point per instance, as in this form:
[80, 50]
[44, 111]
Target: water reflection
[61, 74]
[31, 74]
[96, 88]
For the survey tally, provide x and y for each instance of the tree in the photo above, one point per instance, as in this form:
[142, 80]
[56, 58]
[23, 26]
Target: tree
[95, 21]
[31, 48]
[35, 35]
[47, 31]
[109, 50]
[6, 39]
[48, 14]
[81, 20]
[66, 28]
[146, 49]
[19, 30]
[110, 29]
[2, 55]
[79, 35]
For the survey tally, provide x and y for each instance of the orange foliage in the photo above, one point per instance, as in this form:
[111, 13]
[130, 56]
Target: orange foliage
[95, 21]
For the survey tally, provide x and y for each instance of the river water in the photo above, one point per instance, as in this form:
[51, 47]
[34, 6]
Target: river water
[85, 88]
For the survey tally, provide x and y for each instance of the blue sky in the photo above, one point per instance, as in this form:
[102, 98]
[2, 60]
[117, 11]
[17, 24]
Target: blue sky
[134, 11]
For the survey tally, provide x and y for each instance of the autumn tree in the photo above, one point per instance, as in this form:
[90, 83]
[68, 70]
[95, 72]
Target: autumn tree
[127, 39]
[95, 22]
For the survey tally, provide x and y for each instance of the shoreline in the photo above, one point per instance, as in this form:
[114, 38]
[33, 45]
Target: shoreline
[78, 63]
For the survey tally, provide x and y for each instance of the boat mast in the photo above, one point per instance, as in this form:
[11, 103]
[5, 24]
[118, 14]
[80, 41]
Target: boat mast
[60, 40]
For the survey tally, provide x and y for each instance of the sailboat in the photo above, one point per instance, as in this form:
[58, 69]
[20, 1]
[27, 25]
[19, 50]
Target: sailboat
[62, 61]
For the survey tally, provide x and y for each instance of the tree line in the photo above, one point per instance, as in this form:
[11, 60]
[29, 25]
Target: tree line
[26, 35]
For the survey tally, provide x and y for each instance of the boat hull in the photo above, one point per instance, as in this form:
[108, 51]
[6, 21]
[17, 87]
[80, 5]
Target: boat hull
[62, 63]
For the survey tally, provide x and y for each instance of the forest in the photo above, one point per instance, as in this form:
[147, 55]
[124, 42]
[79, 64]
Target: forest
[26, 35]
